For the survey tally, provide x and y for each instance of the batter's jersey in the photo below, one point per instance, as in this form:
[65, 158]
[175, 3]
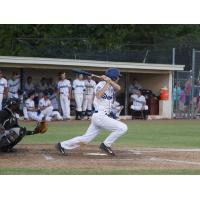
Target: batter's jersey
[78, 86]
[13, 85]
[44, 103]
[137, 101]
[29, 104]
[64, 86]
[90, 87]
[105, 102]
[3, 84]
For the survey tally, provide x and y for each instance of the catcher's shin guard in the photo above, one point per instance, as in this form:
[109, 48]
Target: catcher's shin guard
[10, 138]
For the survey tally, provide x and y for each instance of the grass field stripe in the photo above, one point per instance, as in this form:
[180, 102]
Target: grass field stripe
[174, 161]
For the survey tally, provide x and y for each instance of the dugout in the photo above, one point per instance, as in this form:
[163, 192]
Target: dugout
[150, 76]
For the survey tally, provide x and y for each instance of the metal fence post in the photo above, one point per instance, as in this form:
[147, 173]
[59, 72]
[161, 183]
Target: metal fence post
[126, 93]
[193, 78]
[173, 77]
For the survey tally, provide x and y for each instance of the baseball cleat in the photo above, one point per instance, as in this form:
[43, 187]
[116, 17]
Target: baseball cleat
[106, 149]
[60, 148]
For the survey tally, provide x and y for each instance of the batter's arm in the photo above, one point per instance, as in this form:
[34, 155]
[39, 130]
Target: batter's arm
[101, 92]
[116, 86]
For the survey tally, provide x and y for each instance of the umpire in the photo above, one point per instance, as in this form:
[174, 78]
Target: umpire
[10, 131]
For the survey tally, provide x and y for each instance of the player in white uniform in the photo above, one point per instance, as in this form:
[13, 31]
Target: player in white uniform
[3, 88]
[30, 112]
[64, 90]
[78, 93]
[46, 108]
[89, 96]
[13, 86]
[104, 92]
[139, 103]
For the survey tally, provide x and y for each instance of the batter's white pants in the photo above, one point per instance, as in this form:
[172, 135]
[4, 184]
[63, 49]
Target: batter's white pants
[87, 102]
[79, 102]
[1, 100]
[99, 121]
[35, 116]
[138, 108]
[65, 105]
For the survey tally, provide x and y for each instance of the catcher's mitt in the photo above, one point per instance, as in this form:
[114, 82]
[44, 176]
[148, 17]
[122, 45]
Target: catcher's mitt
[41, 127]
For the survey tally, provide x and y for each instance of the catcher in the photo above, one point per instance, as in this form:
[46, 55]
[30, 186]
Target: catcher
[10, 131]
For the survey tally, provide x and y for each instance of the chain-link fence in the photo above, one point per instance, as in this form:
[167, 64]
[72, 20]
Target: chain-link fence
[80, 48]
[186, 90]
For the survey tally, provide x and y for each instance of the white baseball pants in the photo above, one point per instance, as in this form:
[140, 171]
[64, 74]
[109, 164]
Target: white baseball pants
[56, 115]
[35, 116]
[138, 108]
[47, 111]
[65, 105]
[87, 102]
[79, 102]
[49, 114]
[1, 100]
[99, 121]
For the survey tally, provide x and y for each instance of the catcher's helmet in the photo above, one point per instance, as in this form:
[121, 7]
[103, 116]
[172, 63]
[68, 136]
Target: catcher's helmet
[12, 101]
[113, 73]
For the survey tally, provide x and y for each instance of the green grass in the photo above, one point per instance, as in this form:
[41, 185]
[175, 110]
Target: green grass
[177, 134]
[169, 133]
[25, 171]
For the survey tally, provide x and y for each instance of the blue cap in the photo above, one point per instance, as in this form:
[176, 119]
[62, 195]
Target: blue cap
[113, 73]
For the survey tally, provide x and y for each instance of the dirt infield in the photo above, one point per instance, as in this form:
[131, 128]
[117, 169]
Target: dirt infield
[90, 157]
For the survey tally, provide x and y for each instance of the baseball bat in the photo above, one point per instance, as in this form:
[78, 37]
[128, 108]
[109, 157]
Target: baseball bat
[85, 73]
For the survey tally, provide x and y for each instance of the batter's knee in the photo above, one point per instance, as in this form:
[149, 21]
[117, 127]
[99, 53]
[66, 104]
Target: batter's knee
[123, 128]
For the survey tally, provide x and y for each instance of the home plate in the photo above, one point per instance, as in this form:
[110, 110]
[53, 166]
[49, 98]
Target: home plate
[95, 154]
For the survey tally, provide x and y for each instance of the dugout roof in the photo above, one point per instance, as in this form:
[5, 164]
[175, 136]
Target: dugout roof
[64, 64]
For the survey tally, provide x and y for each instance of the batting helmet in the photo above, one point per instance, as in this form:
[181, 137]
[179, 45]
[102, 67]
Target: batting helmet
[113, 73]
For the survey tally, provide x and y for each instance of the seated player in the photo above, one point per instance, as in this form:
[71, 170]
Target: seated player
[47, 110]
[116, 109]
[30, 111]
[10, 131]
[139, 103]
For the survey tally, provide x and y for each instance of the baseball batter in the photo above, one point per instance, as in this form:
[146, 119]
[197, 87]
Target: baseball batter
[78, 92]
[13, 86]
[104, 93]
[64, 90]
[3, 88]
[89, 96]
